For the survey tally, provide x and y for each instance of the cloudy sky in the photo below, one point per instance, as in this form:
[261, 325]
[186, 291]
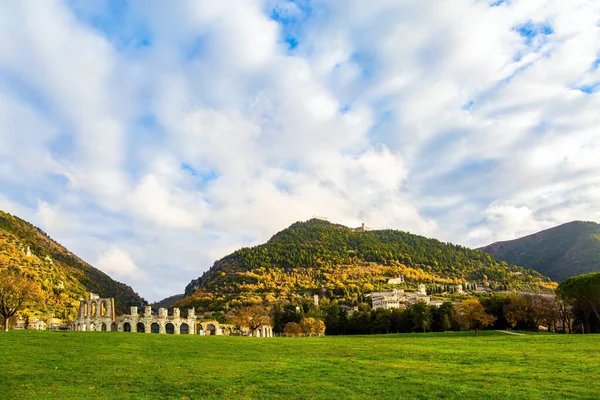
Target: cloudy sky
[153, 137]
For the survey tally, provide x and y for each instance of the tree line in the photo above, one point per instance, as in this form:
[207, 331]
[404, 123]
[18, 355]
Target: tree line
[574, 309]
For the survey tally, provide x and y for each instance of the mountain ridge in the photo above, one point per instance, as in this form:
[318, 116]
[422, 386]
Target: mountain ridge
[566, 250]
[317, 256]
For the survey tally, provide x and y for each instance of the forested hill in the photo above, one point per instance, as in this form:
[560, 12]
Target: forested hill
[561, 252]
[320, 257]
[63, 277]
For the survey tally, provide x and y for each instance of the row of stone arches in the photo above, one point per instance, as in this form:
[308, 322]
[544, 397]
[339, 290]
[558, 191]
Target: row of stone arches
[92, 327]
[170, 328]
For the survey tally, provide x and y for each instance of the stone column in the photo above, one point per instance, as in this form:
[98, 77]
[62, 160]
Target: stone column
[148, 312]
[176, 329]
[98, 309]
[133, 311]
[191, 313]
[108, 304]
[176, 313]
[162, 328]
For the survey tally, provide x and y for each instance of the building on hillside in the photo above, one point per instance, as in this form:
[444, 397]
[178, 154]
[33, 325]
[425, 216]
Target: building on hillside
[349, 310]
[398, 298]
[436, 303]
[386, 300]
[396, 281]
[96, 314]
[361, 228]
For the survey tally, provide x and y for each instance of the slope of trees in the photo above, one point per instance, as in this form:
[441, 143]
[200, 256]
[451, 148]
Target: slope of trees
[561, 252]
[320, 257]
[63, 277]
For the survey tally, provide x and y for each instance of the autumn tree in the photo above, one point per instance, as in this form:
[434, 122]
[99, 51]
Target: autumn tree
[16, 292]
[312, 326]
[292, 329]
[471, 315]
[252, 317]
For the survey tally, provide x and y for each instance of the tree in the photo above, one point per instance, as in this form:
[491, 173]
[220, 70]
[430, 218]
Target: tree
[530, 311]
[16, 292]
[583, 292]
[292, 329]
[421, 316]
[565, 312]
[470, 314]
[311, 326]
[252, 317]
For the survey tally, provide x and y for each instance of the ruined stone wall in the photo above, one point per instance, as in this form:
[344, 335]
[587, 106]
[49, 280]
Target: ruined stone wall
[96, 314]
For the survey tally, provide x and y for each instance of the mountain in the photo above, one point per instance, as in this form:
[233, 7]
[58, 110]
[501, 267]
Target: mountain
[559, 253]
[167, 302]
[63, 277]
[338, 262]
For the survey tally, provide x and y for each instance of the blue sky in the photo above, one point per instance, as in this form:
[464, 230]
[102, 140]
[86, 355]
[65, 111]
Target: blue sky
[152, 138]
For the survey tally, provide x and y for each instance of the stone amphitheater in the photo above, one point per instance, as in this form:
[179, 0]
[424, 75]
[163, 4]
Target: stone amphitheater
[96, 314]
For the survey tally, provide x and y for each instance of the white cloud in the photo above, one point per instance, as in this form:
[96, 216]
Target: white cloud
[173, 134]
[118, 264]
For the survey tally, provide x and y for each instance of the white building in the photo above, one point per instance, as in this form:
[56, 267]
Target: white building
[397, 298]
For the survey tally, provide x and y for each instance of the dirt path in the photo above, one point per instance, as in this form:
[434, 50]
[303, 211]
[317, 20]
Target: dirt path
[512, 333]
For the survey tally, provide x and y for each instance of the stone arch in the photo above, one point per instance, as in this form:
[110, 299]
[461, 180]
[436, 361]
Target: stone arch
[103, 327]
[184, 329]
[126, 327]
[114, 327]
[92, 327]
[211, 330]
[155, 327]
[199, 329]
[86, 309]
[170, 328]
[93, 309]
[141, 328]
[109, 307]
[103, 308]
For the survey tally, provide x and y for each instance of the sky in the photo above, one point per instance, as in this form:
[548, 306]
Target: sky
[152, 138]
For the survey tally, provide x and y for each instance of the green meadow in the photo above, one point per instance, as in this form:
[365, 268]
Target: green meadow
[111, 365]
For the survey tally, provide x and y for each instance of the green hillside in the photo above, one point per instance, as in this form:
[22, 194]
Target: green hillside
[337, 262]
[63, 277]
[559, 253]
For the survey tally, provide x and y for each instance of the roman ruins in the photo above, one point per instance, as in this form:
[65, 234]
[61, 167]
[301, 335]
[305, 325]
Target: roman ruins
[96, 314]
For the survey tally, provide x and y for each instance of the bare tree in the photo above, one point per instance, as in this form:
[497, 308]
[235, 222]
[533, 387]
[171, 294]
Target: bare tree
[565, 312]
[16, 292]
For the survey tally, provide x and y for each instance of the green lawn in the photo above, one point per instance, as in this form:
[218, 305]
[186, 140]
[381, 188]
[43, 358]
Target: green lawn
[107, 365]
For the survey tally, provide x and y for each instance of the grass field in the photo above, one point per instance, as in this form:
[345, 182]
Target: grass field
[107, 365]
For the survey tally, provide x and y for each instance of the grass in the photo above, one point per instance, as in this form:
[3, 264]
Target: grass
[109, 365]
